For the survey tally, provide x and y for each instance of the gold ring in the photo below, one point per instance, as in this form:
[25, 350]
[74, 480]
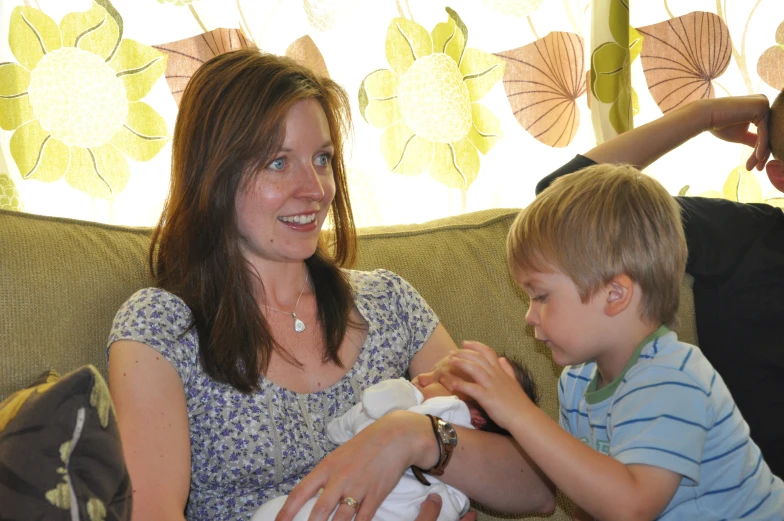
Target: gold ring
[350, 501]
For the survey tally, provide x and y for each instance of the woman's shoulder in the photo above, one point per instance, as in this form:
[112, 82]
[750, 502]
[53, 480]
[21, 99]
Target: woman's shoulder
[375, 281]
[155, 317]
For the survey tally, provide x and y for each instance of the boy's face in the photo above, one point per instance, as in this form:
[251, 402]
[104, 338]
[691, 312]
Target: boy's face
[570, 328]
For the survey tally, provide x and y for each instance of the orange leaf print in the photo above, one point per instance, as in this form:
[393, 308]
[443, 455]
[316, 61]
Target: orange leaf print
[305, 52]
[542, 81]
[770, 65]
[185, 56]
[681, 57]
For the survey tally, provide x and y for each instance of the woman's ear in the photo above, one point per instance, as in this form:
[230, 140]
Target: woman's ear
[775, 170]
[619, 291]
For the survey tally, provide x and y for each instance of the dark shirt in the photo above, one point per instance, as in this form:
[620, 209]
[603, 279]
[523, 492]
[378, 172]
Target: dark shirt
[736, 256]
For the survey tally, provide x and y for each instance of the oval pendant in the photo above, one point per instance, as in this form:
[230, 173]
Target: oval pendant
[299, 326]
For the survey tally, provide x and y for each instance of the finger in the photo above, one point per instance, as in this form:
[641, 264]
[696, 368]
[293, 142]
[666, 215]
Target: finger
[479, 347]
[326, 504]
[470, 516]
[475, 391]
[368, 507]
[297, 498]
[344, 512]
[751, 162]
[507, 367]
[487, 362]
[430, 508]
[471, 370]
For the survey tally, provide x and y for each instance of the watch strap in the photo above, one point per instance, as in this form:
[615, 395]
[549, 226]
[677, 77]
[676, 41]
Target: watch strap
[445, 450]
[446, 444]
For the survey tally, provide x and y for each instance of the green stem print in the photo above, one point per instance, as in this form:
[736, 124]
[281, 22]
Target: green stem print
[531, 25]
[572, 20]
[402, 11]
[722, 87]
[196, 17]
[667, 7]
[740, 57]
[243, 23]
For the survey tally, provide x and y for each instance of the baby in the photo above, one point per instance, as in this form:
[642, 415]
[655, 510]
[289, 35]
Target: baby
[403, 502]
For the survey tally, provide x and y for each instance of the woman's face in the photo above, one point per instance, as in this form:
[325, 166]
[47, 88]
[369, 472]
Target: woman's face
[281, 209]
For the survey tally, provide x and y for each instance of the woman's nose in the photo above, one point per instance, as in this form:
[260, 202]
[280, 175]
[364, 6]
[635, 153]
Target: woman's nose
[312, 183]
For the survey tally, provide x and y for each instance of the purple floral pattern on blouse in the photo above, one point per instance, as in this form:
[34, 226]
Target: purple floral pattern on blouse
[248, 449]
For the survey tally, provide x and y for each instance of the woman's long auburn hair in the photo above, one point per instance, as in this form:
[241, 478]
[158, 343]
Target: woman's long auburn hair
[231, 122]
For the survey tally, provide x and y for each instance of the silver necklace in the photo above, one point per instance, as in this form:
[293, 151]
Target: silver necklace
[299, 325]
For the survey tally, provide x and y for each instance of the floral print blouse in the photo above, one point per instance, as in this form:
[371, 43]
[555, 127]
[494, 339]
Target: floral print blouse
[248, 449]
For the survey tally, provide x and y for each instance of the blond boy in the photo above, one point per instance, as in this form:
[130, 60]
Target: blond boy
[648, 428]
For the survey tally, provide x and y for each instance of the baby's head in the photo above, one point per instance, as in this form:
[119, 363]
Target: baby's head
[479, 417]
[775, 167]
[601, 222]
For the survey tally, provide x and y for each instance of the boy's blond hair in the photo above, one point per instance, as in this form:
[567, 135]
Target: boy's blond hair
[776, 127]
[603, 221]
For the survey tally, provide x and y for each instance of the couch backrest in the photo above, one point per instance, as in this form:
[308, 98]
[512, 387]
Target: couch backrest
[61, 282]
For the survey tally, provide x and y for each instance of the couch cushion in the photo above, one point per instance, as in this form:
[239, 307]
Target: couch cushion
[60, 452]
[61, 282]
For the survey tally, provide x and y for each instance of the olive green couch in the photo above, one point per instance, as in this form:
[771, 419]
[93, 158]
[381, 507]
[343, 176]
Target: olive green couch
[61, 282]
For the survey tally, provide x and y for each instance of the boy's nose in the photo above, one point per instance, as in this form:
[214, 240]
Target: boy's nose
[531, 317]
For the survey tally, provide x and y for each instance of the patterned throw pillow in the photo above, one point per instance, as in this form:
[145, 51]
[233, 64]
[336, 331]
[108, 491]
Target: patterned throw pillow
[60, 452]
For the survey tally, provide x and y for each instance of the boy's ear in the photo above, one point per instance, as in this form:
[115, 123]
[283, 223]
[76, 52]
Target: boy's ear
[775, 170]
[620, 291]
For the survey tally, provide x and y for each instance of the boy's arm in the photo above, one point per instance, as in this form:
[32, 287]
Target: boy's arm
[603, 486]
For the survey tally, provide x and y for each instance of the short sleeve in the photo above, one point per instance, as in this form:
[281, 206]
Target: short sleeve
[415, 319]
[563, 417]
[160, 320]
[650, 407]
[721, 233]
[578, 162]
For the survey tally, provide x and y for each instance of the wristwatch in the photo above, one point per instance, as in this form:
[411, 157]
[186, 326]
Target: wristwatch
[446, 436]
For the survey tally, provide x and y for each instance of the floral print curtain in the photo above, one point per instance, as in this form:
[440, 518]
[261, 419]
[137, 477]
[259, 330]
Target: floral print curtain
[458, 105]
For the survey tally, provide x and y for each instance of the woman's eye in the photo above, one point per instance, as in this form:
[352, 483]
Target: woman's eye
[323, 160]
[278, 164]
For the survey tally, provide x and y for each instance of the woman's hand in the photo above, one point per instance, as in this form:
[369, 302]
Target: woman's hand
[366, 468]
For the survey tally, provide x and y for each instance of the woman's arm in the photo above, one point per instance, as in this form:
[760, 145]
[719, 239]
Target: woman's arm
[152, 417]
[489, 468]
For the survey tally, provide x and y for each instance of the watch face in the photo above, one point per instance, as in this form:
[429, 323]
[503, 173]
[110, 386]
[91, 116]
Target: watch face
[448, 433]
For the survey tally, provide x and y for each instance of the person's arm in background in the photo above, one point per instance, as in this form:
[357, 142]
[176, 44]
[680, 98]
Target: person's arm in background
[727, 118]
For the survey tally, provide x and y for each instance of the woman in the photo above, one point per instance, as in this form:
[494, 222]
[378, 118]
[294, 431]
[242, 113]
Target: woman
[226, 373]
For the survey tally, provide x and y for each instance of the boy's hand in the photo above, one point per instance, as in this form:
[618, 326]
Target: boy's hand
[443, 372]
[490, 382]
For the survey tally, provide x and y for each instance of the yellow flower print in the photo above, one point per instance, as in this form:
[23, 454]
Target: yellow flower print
[73, 99]
[427, 103]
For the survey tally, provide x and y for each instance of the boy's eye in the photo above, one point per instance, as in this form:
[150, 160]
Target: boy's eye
[277, 164]
[539, 298]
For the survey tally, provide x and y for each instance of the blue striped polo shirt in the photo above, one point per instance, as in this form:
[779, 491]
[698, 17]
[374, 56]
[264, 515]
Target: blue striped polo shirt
[669, 408]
